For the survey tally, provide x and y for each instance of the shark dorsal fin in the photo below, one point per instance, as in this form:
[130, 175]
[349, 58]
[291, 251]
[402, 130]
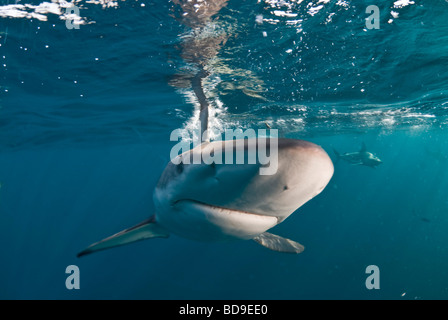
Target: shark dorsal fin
[363, 148]
[196, 84]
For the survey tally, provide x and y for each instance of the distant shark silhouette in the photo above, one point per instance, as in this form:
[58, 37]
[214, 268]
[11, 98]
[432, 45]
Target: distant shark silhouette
[215, 202]
[362, 157]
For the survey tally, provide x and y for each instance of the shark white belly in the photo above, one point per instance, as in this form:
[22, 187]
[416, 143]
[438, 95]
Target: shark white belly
[199, 221]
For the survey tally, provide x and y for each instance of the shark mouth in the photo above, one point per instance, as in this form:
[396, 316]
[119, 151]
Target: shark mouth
[230, 222]
[219, 209]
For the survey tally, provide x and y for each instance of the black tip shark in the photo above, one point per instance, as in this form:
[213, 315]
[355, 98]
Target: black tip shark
[218, 202]
[362, 157]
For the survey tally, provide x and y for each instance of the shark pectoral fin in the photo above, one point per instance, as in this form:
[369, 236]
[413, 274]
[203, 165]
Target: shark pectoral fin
[277, 243]
[144, 230]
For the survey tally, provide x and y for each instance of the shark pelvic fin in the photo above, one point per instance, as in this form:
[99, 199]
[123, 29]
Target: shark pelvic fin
[144, 230]
[277, 243]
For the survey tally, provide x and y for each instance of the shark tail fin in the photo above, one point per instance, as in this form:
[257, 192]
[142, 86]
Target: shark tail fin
[277, 243]
[144, 230]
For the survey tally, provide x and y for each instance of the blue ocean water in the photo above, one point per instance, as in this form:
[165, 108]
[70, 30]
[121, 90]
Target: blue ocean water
[86, 115]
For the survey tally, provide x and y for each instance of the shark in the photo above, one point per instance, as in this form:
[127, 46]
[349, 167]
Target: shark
[231, 201]
[362, 157]
[218, 200]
